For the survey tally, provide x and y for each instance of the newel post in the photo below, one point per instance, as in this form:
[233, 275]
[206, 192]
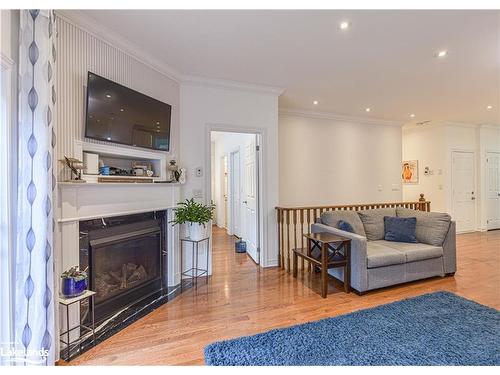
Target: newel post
[422, 203]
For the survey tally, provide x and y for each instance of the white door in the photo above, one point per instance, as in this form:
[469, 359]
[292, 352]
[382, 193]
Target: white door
[224, 191]
[463, 191]
[493, 190]
[235, 193]
[250, 201]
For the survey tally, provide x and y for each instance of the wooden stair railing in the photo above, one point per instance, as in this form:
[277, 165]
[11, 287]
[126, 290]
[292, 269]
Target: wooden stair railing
[294, 222]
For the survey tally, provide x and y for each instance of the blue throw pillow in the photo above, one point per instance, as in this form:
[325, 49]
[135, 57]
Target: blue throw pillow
[345, 226]
[400, 229]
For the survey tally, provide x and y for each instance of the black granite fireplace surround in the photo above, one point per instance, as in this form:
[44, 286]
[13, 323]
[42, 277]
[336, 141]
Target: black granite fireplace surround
[126, 257]
[125, 260]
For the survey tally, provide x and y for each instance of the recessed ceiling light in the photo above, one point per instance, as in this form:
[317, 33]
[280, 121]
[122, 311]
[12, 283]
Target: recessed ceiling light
[121, 109]
[442, 53]
[344, 25]
[412, 115]
[489, 107]
[368, 109]
[108, 96]
[315, 102]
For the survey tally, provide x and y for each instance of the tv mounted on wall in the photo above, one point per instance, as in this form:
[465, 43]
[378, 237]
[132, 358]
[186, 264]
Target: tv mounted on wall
[121, 115]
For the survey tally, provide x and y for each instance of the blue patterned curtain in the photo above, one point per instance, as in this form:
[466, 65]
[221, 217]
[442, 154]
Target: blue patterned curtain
[34, 293]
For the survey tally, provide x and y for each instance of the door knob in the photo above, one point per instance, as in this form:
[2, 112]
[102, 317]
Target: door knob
[473, 198]
[245, 202]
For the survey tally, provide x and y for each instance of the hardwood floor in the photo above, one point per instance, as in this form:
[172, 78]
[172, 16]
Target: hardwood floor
[242, 299]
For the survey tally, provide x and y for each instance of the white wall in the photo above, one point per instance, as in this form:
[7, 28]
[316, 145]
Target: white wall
[432, 146]
[80, 51]
[204, 107]
[328, 161]
[224, 144]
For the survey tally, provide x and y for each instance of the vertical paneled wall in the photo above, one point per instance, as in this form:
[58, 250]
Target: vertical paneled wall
[78, 52]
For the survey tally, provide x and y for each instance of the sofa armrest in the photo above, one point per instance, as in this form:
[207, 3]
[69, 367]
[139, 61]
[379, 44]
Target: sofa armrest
[359, 274]
[450, 249]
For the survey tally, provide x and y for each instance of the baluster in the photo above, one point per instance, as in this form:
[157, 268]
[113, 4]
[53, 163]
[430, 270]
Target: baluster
[302, 237]
[294, 212]
[287, 240]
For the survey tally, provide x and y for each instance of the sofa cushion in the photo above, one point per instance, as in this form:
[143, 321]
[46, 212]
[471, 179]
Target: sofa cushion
[373, 222]
[332, 218]
[414, 251]
[380, 255]
[400, 229]
[432, 227]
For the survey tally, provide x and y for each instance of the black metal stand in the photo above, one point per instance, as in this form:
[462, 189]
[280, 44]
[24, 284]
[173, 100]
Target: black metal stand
[194, 272]
[67, 302]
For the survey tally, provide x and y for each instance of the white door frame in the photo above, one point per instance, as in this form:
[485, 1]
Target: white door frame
[484, 191]
[234, 209]
[261, 175]
[473, 152]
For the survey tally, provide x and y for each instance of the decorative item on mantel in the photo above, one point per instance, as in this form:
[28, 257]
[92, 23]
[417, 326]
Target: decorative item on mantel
[196, 216]
[76, 167]
[174, 171]
[73, 282]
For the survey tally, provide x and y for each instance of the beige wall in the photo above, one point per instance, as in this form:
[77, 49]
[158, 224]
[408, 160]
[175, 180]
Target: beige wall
[432, 146]
[327, 162]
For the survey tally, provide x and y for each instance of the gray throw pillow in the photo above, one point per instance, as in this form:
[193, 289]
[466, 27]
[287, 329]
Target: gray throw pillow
[373, 222]
[332, 218]
[432, 227]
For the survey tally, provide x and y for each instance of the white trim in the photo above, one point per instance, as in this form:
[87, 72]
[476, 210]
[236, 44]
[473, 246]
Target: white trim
[85, 23]
[337, 117]
[7, 214]
[231, 85]
[264, 243]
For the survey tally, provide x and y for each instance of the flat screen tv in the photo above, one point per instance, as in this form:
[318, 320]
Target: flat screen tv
[118, 114]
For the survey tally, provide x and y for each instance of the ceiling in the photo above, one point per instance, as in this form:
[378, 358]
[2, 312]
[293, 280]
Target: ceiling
[385, 60]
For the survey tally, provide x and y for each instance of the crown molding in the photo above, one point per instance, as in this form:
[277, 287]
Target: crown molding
[337, 117]
[231, 85]
[90, 26]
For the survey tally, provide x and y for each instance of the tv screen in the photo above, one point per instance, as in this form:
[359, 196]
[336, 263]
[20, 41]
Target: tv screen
[118, 114]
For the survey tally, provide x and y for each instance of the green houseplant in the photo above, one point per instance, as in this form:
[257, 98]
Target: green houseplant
[195, 215]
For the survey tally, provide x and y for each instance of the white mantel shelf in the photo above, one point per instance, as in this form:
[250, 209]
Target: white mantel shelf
[64, 185]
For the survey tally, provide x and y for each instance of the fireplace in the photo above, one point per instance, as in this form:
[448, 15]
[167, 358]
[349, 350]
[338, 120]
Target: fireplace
[126, 261]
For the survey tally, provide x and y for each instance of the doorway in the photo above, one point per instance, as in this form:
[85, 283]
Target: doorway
[493, 190]
[235, 183]
[464, 190]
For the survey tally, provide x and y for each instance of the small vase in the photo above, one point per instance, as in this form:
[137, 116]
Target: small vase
[196, 231]
[72, 287]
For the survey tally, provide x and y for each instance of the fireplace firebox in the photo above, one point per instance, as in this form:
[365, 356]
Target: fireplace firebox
[126, 260]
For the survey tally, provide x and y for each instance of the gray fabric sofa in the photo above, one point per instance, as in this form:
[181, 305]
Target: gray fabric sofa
[376, 263]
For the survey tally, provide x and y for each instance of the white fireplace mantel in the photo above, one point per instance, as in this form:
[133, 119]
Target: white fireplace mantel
[84, 201]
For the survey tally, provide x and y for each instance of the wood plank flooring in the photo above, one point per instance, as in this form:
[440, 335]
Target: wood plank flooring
[242, 299]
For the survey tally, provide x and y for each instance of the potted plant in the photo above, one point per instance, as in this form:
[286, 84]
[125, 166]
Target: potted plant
[196, 216]
[74, 282]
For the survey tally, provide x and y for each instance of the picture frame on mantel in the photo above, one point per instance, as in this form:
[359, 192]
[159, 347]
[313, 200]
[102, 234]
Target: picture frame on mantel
[409, 171]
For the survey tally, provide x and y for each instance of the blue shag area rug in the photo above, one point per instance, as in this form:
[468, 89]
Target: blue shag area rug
[433, 329]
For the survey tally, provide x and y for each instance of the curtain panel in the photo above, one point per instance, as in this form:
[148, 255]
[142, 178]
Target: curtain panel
[34, 266]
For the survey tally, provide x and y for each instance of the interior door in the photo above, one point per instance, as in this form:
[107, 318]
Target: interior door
[250, 201]
[235, 193]
[463, 190]
[225, 190]
[493, 190]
